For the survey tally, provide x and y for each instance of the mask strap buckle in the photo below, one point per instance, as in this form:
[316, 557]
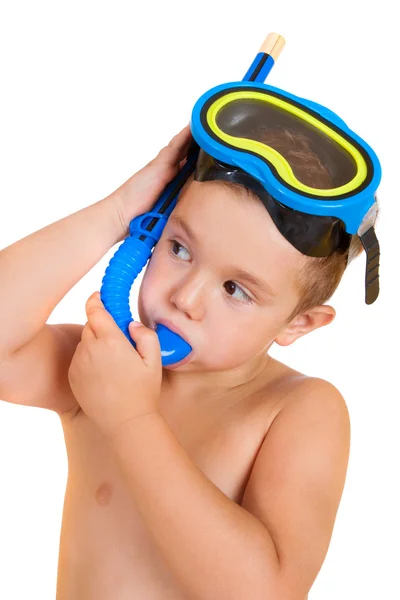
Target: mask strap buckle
[371, 247]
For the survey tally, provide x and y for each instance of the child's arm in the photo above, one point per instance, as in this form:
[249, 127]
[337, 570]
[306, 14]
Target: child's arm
[273, 544]
[37, 271]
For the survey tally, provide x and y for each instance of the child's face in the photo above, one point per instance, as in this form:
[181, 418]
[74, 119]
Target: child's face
[194, 283]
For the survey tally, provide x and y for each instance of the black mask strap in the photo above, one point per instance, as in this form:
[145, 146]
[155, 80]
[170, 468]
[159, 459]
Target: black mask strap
[371, 247]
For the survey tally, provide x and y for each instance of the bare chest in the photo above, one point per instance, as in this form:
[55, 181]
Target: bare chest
[105, 550]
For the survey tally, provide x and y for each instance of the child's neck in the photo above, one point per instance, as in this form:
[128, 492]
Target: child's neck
[205, 387]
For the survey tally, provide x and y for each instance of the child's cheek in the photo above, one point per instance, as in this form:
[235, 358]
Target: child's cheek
[150, 294]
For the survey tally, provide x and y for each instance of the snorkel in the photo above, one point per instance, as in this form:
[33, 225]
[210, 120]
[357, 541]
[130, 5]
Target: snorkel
[146, 229]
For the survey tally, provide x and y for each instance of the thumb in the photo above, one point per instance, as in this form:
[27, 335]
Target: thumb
[147, 343]
[100, 320]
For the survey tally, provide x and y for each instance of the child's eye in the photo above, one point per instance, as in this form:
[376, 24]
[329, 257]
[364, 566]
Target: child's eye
[243, 295]
[175, 246]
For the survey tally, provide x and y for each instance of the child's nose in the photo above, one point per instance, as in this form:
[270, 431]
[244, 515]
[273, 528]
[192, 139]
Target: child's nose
[190, 295]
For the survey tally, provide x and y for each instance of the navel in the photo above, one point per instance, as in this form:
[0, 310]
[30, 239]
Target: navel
[103, 494]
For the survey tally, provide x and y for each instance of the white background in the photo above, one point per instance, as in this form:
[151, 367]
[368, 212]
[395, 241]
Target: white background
[90, 92]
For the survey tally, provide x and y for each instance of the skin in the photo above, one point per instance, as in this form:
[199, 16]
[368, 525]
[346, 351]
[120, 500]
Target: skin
[192, 284]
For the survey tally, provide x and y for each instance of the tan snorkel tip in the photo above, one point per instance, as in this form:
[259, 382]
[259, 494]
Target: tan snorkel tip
[273, 45]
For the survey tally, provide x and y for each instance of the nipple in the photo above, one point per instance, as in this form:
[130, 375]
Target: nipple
[103, 494]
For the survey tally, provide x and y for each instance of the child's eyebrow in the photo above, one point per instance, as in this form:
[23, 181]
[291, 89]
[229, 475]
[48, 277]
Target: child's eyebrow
[240, 273]
[259, 283]
[179, 222]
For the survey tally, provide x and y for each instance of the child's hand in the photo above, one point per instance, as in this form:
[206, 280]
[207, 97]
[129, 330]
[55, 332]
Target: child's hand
[139, 193]
[112, 382]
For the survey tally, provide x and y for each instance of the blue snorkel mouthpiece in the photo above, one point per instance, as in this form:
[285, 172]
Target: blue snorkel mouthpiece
[173, 347]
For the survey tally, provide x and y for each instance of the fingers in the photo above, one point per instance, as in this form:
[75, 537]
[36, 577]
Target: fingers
[147, 344]
[100, 320]
[87, 333]
[183, 138]
[178, 147]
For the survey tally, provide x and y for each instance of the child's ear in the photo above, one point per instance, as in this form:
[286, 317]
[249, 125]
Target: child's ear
[304, 323]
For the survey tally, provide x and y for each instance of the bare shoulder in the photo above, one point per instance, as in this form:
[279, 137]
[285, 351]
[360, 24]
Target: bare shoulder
[315, 410]
[311, 402]
[298, 477]
[298, 392]
[316, 398]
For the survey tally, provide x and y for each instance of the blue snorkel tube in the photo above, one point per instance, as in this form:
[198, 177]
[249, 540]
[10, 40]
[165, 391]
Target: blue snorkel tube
[134, 253]
[146, 229]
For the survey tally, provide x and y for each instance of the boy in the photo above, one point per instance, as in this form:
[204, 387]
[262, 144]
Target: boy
[217, 477]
